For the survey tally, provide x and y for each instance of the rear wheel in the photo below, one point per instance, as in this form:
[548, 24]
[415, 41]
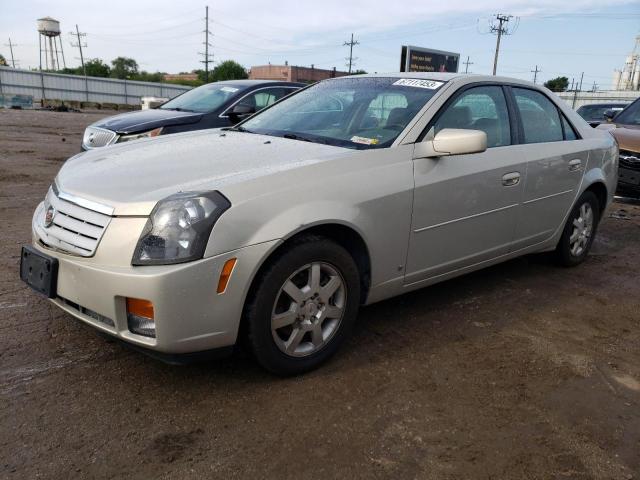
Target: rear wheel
[303, 306]
[579, 231]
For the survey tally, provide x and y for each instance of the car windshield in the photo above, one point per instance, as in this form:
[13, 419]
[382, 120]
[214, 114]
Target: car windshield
[203, 99]
[630, 115]
[596, 112]
[592, 112]
[355, 112]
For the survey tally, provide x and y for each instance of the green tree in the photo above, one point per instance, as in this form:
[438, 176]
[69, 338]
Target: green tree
[124, 67]
[96, 68]
[358, 72]
[558, 84]
[149, 77]
[3, 61]
[228, 70]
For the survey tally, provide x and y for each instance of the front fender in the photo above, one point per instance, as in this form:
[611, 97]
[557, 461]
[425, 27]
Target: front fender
[370, 192]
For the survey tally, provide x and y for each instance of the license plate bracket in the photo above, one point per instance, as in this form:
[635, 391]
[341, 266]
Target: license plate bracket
[39, 271]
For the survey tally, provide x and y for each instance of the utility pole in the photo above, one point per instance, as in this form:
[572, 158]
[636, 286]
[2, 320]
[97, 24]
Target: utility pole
[581, 78]
[466, 65]
[207, 56]
[79, 36]
[595, 87]
[11, 45]
[351, 44]
[535, 74]
[500, 29]
[79, 45]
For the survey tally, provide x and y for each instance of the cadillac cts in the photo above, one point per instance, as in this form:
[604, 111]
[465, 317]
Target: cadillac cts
[351, 191]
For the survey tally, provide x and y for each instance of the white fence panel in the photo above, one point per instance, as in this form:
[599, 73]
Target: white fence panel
[55, 86]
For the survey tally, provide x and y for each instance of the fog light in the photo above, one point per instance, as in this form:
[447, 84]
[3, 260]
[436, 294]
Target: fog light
[140, 318]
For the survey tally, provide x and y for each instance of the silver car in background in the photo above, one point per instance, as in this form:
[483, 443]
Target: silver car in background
[349, 192]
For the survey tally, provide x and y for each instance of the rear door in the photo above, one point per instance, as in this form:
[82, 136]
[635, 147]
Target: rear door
[556, 161]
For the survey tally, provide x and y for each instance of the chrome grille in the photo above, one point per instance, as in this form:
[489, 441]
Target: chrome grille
[630, 160]
[95, 137]
[69, 227]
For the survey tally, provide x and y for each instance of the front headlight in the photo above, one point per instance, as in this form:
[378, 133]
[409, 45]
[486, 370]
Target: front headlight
[135, 136]
[179, 228]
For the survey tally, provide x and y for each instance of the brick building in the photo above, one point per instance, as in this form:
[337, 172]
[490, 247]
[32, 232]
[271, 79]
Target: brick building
[292, 73]
[180, 76]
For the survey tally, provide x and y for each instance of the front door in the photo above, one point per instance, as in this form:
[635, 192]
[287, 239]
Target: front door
[465, 206]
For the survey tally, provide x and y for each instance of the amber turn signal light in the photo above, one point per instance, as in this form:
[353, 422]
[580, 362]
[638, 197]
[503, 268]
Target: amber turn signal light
[225, 275]
[140, 308]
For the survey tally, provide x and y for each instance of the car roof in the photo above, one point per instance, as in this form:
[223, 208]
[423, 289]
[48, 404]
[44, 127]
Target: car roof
[445, 77]
[607, 104]
[253, 83]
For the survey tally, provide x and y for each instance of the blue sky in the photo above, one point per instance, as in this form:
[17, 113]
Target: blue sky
[581, 35]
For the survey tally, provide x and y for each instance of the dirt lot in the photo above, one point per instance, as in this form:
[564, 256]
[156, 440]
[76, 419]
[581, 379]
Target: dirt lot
[521, 371]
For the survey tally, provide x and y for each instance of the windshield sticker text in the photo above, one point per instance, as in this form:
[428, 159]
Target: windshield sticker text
[414, 82]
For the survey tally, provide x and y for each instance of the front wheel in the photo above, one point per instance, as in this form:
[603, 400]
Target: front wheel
[303, 306]
[579, 231]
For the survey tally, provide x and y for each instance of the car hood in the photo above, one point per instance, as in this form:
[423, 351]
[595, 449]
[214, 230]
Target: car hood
[142, 120]
[627, 136]
[131, 178]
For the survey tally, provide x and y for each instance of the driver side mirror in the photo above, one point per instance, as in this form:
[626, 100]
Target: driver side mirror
[240, 111]
[452, 141]
[610, 114]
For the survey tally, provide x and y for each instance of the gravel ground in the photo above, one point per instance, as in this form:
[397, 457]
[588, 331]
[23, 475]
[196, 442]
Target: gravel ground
[520, 371]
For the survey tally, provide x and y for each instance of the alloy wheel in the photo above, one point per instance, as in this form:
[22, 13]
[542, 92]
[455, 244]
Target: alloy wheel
[308, 309]
[582, 230]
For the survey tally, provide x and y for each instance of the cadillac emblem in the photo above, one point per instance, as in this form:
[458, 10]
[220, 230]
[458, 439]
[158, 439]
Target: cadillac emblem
[48, 216]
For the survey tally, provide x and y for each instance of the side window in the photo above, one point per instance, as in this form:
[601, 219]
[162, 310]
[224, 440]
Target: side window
[264, 98]
[540, 117]
[569, 132]
[479, 108]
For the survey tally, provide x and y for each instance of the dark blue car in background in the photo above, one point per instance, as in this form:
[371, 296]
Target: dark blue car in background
[215, 105]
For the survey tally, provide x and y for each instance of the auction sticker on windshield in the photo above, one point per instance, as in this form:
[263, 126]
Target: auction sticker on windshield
[364, 140]
[229, 89]
[415, 82]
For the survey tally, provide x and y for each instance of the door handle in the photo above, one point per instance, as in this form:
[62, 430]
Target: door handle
[575, 165]
[511, 179]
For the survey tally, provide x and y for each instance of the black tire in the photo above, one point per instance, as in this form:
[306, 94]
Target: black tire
[266, 291]
[564, 255]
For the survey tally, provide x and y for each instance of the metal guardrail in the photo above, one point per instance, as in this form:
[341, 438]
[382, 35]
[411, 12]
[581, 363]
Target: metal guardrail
[57, 86]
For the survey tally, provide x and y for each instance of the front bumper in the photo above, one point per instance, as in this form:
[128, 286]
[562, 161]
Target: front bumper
[190, 316]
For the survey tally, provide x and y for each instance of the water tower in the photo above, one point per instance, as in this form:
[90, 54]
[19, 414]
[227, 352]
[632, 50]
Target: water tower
[49, 30]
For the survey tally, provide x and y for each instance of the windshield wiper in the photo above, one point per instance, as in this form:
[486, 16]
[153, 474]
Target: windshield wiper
[179, 109]
[238, 128]
[294, 136]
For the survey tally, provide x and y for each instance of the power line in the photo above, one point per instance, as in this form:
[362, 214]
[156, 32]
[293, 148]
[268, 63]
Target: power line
[351, 44]
[208, 58]
[466, 65]
[11, 45]
[501, 29]
[535, 74]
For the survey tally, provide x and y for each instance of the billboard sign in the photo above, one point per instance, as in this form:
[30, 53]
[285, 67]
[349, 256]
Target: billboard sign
[416, 59]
